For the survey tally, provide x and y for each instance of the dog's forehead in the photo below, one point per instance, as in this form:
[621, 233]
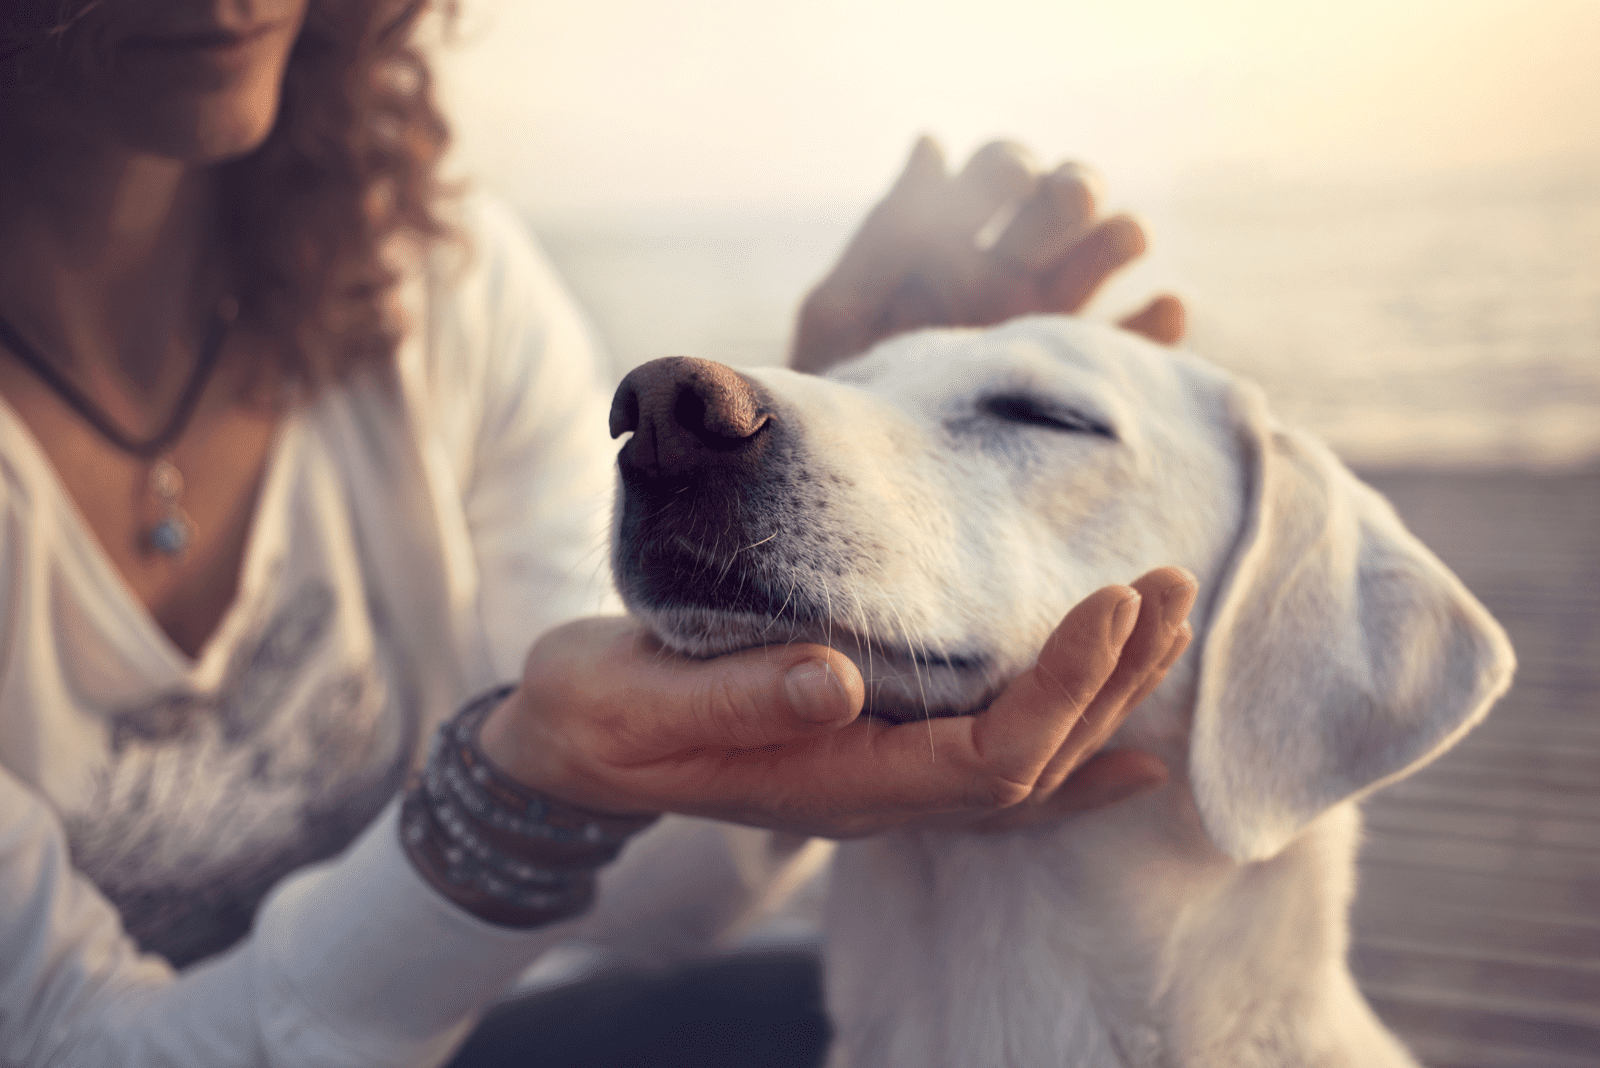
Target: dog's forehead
[1155, 400]
[1040, 352]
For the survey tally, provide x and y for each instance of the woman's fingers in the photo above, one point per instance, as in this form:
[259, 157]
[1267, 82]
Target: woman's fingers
[1049, 222]
[923, 172]
[1180, 643]
[1168, 594]
[1104, 657]
[1163, 320]
[916, 260]
[1104, 779]
[945, 278]
[870, 775]
[1159, 637]
[773, 737]
[748, 700]
[999, 176]
[1074, 278]
[1050, 700]
[843, 313]
[913, 262]
[1078, 778]
[601, 704]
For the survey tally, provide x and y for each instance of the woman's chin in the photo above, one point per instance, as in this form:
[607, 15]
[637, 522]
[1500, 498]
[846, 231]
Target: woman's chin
[202, 127]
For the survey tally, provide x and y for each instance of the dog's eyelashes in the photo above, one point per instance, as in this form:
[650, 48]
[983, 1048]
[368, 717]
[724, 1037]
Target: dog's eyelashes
[1030, 410]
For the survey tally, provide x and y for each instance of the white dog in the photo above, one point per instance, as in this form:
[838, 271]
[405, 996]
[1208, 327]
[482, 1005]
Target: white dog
[933, 509]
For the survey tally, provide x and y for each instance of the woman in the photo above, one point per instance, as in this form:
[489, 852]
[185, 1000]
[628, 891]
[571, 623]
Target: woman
[298, 456]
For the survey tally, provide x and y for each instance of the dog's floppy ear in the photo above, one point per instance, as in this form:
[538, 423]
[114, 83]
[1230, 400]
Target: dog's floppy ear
[1340, 656]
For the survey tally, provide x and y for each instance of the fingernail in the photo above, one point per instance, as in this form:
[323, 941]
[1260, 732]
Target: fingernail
[1182, 638]
[1176, 602]
[816, 693]
[1123, 619]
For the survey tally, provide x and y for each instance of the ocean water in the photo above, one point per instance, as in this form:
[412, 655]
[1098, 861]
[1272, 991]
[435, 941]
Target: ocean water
[1451, 323]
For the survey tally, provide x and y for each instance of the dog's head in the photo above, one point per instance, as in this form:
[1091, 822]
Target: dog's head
[933, 508]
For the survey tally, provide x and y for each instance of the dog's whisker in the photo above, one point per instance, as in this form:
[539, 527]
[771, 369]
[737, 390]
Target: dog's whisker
[827, 606]
[912, 644]
[728, 566]
[1060, 686]
[794, 583]
[758, 544]
[861, 622]
[865, 630]
[704, 562]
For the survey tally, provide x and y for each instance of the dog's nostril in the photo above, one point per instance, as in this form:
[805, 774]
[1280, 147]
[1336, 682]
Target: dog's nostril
[624, 411]
[690, 412]
[721, 428]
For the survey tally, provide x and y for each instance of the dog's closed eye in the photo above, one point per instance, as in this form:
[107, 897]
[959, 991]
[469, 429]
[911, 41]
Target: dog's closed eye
[1029, 409]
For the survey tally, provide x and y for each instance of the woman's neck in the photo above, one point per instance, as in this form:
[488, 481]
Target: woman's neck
[108, 258]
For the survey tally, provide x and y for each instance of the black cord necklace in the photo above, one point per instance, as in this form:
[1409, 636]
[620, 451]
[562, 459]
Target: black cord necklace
[172, 534]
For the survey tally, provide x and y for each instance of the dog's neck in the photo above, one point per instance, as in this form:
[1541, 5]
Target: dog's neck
[1121, 937]
[1103, 941]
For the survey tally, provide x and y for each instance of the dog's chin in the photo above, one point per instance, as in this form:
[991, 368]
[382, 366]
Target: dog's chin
[900, 686]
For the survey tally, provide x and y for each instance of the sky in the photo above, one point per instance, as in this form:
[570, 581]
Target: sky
[611, 107]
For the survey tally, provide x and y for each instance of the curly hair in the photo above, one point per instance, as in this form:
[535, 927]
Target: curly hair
[349, 165]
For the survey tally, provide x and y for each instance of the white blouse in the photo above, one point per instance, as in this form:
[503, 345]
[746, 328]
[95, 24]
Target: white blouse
[417, 529]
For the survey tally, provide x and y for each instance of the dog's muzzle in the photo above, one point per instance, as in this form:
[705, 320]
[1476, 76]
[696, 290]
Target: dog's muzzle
[706, 475]
[726, 537]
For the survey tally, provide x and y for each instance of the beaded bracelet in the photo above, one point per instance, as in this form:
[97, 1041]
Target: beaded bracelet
[507, 853]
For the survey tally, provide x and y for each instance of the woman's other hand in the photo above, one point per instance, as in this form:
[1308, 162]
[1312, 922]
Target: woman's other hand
[773, 737]
[995, 241]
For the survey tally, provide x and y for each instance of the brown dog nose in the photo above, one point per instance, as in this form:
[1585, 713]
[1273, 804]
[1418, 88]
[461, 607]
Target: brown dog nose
[686, 414]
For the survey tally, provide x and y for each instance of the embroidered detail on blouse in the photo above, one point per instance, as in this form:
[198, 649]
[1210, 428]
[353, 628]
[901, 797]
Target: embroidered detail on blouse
[211, 798]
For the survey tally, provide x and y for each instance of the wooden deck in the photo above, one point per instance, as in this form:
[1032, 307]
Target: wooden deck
[1477, 924]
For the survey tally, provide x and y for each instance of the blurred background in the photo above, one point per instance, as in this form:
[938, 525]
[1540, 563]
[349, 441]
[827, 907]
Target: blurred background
[1387, 212]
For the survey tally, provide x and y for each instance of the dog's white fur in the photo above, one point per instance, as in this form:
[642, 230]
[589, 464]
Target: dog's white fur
[1200, 925]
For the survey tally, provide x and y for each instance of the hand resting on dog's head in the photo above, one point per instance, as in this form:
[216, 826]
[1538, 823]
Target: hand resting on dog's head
[927, 255]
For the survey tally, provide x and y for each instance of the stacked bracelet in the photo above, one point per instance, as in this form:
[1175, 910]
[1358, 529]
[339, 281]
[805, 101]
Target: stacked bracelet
[505, 852]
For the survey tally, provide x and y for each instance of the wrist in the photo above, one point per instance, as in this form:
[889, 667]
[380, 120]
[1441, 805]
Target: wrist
[500, 741]
[514, 753]
[438, 858]
[501, 850]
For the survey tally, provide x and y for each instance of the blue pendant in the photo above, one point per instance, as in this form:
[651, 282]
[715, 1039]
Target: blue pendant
[171, 536]
[175, 530]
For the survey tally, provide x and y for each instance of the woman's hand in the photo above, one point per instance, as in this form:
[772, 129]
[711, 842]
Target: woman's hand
[925, 256]
[773, 737]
